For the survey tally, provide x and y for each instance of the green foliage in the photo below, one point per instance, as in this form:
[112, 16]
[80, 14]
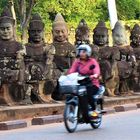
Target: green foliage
[91, 10]
[74, 10]
[128, 9]
[2, 4]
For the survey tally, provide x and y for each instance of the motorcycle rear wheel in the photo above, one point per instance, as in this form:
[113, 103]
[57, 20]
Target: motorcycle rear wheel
[95, 123]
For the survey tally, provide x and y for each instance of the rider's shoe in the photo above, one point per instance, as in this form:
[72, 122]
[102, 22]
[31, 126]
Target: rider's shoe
[93, 113]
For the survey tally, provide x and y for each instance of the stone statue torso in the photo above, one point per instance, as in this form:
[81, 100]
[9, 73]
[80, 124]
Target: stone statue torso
[105, 56]
[36, 53]
[8, 48]
[9, 64]
[8, 54]
[95, 51]
[125, 62]
[125, 53]
[35, 61]
[64, 54]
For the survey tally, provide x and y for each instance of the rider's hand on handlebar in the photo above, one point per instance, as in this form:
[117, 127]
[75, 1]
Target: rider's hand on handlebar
[94, 76]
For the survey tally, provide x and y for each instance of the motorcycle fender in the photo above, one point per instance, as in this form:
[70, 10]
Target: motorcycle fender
[74, 101]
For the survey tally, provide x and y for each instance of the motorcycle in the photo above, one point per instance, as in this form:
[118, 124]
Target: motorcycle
[75, 111]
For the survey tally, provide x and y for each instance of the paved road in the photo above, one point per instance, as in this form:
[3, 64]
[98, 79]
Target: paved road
[120, 126]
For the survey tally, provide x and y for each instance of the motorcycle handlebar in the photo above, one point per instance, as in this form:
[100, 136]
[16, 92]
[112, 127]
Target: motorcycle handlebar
[60, 68]
[85, 80]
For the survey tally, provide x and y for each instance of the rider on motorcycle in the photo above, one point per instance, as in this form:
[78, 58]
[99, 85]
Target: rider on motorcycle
[87, 66]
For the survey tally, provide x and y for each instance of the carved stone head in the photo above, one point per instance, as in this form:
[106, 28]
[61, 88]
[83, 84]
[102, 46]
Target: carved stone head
[82, 33]
[36, 29]
[100, 34]
[119, 34]
[135, 36]
[6, 25]
[59, 29]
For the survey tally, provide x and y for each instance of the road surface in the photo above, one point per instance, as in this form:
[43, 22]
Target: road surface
[119, 126]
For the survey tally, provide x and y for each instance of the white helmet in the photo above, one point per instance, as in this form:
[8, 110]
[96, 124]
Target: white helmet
[85, 47]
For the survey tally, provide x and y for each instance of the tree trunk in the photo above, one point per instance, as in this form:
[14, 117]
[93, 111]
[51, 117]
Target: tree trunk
[26, 17]
[11, 4]
[24, 8]
[23, 19]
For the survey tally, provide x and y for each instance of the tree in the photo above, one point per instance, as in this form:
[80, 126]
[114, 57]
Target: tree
[128, 9]
[72, 10]
[11, 6]
[21, 10]
[24, 10]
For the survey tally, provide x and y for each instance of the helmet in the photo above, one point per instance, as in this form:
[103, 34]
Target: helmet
[84, 47]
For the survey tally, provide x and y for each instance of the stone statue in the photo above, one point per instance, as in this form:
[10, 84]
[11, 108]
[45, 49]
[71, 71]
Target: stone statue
[127, 58]
[135, 44]
[82, 33]
[107, 58]
[39, 63]
[11, 61]
[100, 38]
[65, 51]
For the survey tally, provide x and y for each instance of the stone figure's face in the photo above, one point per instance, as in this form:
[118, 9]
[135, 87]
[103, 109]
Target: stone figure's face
[60, 33]
[36, 35]
[135, 38]
[100, 38]
[119, 38]
[82, 38]
[6, 31]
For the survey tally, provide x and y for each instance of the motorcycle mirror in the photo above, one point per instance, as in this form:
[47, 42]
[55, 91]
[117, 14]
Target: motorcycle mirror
[92, 67]
[60, 68]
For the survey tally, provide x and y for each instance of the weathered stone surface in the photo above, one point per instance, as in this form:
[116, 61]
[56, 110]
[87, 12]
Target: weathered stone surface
[37, 110]
[114, 101]
[130, 107]
[109, 111]
[59, 118]
[11, 61]
[23, 112]
[13, 125]
[47, 119]
[119, 108]
[138, 105]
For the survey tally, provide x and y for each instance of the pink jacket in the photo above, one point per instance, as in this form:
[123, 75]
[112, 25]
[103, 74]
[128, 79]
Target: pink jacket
[83, 69]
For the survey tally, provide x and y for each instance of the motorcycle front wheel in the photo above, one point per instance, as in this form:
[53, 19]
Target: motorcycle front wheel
[70, 118]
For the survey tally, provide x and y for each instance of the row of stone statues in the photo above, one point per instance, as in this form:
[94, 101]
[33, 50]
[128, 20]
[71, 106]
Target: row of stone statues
[119, 63]
[29, 73]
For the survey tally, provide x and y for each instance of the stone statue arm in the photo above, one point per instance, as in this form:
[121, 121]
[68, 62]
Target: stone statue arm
[20, 59]
[21, 53]
[50, 52]
[72, 52]
[95, 51]
[130, 52]
[134, 63]
[132, 56]
[116, 56]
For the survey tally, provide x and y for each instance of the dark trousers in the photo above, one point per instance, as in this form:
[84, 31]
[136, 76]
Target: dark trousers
[88, 99]
[91, 90]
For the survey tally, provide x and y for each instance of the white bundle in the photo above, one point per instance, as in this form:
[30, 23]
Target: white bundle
[71, 79]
